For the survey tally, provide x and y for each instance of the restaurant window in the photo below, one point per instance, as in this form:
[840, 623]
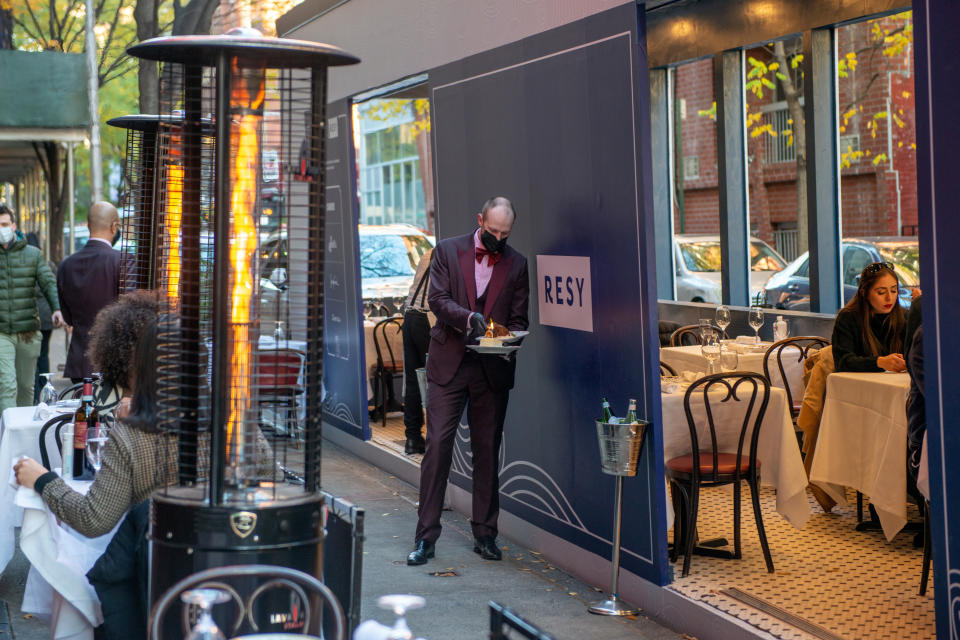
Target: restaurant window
[394, 170]
[776, 167]
[695, 196]
[876, 130]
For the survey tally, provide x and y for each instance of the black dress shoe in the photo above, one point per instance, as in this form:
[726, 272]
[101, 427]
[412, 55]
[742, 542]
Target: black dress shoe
[421, 552]
[487, 547]
[415, 445]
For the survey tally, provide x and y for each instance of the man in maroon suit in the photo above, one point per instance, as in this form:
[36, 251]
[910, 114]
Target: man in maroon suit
[473, 278]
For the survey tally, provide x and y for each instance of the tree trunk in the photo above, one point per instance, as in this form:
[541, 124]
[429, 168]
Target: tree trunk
[799, 141]
[6, 26]
[194, 18]
[145, 15]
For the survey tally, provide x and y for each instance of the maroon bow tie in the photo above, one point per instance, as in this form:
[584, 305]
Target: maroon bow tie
[494, 257]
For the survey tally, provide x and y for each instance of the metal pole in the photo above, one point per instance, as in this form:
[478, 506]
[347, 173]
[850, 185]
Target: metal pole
[93, 85]
[613, 606]
[71, 201]
[221, 284]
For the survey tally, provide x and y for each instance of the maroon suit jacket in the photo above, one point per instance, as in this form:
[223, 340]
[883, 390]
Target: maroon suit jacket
[453, 296]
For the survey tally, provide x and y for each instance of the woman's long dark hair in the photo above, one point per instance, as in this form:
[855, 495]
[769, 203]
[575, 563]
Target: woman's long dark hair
[143, 406]
[894, 325]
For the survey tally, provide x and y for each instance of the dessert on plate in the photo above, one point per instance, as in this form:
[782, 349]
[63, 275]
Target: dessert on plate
[495, 335]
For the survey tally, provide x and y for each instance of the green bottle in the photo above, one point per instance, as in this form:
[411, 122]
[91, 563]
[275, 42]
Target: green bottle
[631, 412]
[606, 414]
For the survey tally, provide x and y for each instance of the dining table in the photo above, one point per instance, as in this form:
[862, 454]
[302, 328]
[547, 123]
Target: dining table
[19, 436]
[57, 587]
[749, 357]
[777, 450]
[862, 443]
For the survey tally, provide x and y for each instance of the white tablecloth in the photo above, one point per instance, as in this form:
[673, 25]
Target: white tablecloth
[863, 442]
[923, 473]
[19, 434]
[57, 586]
[689, 358]
[777, 450]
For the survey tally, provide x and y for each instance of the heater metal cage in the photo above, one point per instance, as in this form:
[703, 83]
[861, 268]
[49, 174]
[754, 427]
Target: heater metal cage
[240, 341]
[137, 220]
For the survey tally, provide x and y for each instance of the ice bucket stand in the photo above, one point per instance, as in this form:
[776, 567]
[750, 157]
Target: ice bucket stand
[620, 446]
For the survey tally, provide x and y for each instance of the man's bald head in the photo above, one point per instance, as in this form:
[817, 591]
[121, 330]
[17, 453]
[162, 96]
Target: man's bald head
[103, 221]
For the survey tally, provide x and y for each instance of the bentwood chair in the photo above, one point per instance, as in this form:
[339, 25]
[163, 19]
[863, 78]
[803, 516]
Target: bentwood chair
[666, 370]
[260, 579]
[57, 423]
[277, 377]
[712, 463]
[795, 349]
[389, 366]
[503, 620]
[927, 548]
[690, 335]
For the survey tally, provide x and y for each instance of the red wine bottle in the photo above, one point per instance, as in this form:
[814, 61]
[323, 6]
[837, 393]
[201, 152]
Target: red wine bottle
[81, 420]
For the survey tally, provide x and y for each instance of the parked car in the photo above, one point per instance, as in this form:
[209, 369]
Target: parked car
[697, 259]
[790, 288]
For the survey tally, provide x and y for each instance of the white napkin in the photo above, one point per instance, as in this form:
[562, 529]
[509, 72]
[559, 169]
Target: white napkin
[13, 474]
[42, 412]
[668, 387]
[690, 376]
[750, 340]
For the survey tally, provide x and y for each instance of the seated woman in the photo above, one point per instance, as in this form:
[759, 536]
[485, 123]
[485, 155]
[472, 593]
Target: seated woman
[868, 332]
[112, 346]
[138, 458]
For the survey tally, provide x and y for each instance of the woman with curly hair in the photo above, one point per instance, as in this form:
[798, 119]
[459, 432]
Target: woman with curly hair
[112, 344]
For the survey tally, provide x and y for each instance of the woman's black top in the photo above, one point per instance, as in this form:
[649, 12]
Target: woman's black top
[851, 351]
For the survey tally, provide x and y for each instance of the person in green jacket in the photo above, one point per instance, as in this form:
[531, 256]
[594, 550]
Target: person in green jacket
[22, 268]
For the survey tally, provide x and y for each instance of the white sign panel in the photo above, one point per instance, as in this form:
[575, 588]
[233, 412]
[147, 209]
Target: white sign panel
[563, 284]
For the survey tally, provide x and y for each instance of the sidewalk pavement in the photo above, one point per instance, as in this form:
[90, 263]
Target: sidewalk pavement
[456, 607]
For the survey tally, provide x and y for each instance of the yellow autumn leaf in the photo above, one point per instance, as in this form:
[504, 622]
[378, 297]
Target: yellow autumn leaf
[905, 94]
[900, 144]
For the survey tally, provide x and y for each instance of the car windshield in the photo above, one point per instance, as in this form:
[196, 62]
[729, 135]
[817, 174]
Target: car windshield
[391, 255]
[705, 256]
[906, 258]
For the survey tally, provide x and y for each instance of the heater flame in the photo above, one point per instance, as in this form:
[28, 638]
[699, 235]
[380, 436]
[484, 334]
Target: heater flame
[245, 129]
[174, 217]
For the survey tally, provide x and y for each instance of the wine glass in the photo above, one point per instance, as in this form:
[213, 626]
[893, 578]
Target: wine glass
[400, 604]
[367, 310]
[97, 437]
[48, 394]
[756, 321]
[705, 328]
[729, 360]
[710, 349]
[205, 628]
[278, 333]
[722, 317]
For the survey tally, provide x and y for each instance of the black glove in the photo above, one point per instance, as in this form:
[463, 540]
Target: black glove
[477, 326]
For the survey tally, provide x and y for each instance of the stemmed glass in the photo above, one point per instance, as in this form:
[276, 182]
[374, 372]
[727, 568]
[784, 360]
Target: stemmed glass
[756, 321]
[205, 628]
[97, 437]
[48, 398]
[729, 360]
[710, 349]
[278, 333]
[722, 318]
[400, 604]
[367, 310]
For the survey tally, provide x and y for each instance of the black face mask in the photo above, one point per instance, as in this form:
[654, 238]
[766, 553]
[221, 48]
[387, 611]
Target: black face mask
[116, 237]
[491, 243]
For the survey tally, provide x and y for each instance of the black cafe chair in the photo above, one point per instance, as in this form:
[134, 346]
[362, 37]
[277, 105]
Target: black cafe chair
[72, 392]
[708, 466]
[57, 422]
[927, 548]
[797, 348]
[327, 620]
[503, 621]
[690, 335]
[667, 370]
[389, 367]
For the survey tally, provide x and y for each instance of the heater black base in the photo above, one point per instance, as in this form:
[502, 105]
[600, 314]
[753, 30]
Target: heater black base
[188, 535]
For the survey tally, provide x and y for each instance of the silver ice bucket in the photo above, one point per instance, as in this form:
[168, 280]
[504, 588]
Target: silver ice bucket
[422, 383]
[620, 446]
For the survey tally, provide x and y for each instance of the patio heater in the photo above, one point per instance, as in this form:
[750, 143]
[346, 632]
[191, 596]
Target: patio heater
[224, 101]
[138, 218]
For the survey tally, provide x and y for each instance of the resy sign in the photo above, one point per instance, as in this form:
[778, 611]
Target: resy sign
[564, 293]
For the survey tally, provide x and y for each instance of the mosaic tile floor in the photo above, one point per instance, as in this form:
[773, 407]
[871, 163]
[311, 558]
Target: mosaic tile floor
[849, 583]
[392, 436]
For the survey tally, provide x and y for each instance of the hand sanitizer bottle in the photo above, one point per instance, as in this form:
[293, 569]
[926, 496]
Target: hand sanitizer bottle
[780, 329]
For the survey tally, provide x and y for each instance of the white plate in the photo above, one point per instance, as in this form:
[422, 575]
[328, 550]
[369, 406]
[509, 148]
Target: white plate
[516, 336]
[507, 348]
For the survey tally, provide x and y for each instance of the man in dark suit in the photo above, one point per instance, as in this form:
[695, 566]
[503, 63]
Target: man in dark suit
[87, 281]
[473, 278]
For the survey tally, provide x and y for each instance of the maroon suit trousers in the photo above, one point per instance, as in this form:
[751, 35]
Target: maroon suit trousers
[486, 410]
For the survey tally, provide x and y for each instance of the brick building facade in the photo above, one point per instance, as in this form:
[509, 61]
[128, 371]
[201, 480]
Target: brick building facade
[877, 139]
